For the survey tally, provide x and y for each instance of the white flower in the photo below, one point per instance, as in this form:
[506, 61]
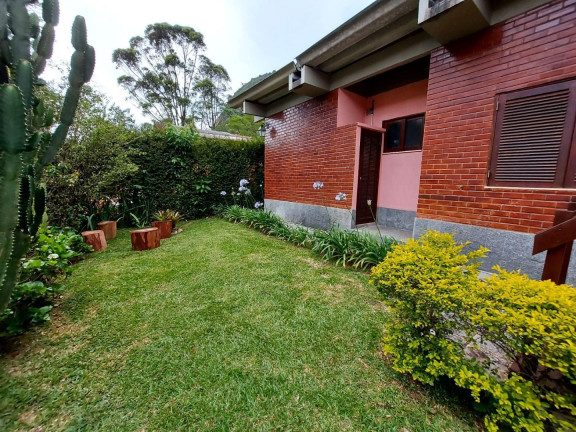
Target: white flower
[369, 202]
[258, 204]
[243, 182]
[53, 256]
[341, 196]
[242, 189]
[223, 193]
[432, 332]
[318, 185]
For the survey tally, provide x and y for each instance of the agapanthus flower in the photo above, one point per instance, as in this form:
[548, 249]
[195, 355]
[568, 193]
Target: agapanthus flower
[318, 185]
[243, 182]
[242, 189]
[341, 196]
[258, 204]
[223, 193]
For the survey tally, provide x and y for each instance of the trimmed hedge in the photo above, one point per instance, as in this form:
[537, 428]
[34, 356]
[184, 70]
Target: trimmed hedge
[187, 174]
[170, 168]
[525, 330]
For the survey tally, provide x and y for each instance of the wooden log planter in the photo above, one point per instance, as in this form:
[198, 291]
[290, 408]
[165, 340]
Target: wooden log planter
[144, 239]
[109, 228]
[96, 239]
[164, 228]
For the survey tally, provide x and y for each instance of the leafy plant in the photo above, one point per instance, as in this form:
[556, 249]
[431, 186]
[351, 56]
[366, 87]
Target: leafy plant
[138, 222]
[47, 264]
[442, 311]
[27, 144]
[203, 186]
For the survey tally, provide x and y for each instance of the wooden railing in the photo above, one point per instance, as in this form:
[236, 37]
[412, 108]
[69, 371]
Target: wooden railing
[558, 241]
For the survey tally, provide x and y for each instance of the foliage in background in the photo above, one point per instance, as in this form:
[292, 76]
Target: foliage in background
[117, 173]
[169, 79]
[27, 143]
[94, 165]
[443, 313]
[234, 121]
[345, 247]
[45, 267]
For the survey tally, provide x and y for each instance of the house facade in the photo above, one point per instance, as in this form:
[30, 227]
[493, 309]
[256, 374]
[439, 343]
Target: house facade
[454, 115]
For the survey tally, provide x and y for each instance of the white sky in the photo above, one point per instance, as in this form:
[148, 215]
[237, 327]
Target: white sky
[247, 37]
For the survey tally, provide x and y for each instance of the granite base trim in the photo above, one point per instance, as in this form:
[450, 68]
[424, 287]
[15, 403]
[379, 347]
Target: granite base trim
[311, 215]
[509, 249]
[394, 218]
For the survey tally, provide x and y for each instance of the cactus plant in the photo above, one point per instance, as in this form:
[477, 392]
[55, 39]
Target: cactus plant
[27, 144]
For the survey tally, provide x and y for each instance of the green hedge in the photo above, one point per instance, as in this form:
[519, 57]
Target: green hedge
[168, 168]
[188, 174]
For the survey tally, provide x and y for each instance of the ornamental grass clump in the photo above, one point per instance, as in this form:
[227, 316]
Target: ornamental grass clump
[525, 330]
[345, 247]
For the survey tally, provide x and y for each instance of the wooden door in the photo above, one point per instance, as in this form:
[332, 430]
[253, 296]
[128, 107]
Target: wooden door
[369, 170]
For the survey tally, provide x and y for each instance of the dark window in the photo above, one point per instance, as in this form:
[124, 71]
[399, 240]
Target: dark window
[404, 134]
[534, 138]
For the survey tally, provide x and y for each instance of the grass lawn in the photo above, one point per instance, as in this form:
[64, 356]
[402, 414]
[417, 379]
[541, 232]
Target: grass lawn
[219, 329]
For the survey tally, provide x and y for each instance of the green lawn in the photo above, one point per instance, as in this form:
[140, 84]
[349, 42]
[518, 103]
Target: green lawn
[223, 329]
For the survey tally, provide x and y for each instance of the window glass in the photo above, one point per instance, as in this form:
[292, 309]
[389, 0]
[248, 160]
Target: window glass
[393, 136]
[414, 132]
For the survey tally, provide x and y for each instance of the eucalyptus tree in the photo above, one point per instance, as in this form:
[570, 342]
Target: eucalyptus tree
[211, 92]
[167, 75]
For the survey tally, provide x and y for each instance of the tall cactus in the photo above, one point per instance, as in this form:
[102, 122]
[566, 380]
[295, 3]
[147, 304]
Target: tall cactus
[27, 144]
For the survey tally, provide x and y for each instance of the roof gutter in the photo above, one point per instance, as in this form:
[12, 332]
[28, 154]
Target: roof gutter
[277, 80]
[378, 15]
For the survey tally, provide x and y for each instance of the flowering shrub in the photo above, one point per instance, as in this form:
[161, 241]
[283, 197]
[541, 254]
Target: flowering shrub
[49, 261]
[442, 313]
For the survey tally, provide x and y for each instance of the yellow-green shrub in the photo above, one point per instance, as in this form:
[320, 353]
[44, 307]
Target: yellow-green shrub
[441, 309]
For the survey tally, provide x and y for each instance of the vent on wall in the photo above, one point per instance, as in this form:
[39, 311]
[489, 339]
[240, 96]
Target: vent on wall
[447, 20]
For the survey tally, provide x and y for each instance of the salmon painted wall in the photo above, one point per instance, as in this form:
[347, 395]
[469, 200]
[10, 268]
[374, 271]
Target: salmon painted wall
[399, 172]
[351, 108]
[400, 180]
[400, 102]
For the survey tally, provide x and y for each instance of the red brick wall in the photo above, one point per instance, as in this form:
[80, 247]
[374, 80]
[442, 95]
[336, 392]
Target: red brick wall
[532, 49]
[304, 145]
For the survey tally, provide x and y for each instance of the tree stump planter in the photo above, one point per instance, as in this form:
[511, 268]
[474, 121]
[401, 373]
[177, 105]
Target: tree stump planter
[164, 228]
[109, 228]
[96, 239]
[144, 239]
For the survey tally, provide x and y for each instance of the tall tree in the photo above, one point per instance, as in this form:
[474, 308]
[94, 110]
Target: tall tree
[165, 72]
[211, 91]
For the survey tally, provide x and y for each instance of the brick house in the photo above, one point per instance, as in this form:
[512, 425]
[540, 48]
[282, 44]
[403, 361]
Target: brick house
[455, 115]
